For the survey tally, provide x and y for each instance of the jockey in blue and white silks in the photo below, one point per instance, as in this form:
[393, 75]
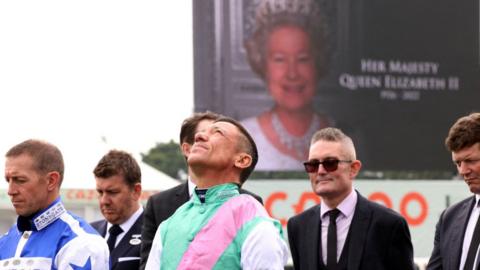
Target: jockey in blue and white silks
[53, 239]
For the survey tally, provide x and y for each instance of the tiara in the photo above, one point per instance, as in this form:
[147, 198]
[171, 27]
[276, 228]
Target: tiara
[260, 13]
[267, 8]
[319, 16]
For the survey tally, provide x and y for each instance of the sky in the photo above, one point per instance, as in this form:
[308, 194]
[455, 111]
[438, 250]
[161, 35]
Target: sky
[83, 73]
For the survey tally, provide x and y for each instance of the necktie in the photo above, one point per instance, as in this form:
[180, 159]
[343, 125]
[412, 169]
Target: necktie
[472, 250]
[332, 239]
[114, 231]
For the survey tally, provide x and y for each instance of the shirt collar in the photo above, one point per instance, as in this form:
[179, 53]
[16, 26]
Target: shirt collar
[191, 187]
[477, 197]
[218, 193]
[129, 222]
[43, 218]
[346, 207]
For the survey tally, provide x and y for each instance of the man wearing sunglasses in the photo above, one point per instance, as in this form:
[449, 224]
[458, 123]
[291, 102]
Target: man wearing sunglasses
[345, 231]
[457, 235]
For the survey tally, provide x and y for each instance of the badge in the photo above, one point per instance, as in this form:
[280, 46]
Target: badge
[135, 239]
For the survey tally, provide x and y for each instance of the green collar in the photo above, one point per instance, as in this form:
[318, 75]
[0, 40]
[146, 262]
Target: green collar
[218, 193]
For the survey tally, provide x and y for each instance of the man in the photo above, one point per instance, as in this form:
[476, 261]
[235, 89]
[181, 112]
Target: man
[457, 233]
[118, 180]
[163, 204]
[45, 236]
[345, 231]
[220, 228]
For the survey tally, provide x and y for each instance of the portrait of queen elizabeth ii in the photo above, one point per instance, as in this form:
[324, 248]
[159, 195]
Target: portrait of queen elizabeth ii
[287, 50]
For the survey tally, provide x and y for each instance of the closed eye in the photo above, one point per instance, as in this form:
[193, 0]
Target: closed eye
[16, 180]
[468, 161]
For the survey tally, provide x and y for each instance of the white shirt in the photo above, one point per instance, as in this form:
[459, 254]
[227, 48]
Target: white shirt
[125, 226]
[469, 233]
[191, 187]
[344, 219]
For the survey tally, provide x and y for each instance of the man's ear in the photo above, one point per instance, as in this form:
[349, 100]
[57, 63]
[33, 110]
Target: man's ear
[185, 147]
[137, 191]
[355, 167]
[243, 160]
[53, 180]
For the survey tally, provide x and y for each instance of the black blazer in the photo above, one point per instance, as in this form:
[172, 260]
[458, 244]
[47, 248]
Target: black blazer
[449, 233]
[126, 255]
[161, 206]
[379, 239]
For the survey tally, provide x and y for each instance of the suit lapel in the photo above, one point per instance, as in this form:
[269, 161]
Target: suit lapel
[358, 232]
[102, 228]
[312, 242]
[183, 194]
[125, 245]
[456, 237]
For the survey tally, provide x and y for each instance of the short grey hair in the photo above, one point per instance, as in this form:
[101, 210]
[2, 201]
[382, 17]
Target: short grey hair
[331, 134]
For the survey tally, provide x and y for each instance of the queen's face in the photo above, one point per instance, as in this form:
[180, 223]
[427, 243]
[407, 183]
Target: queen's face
[290, 68]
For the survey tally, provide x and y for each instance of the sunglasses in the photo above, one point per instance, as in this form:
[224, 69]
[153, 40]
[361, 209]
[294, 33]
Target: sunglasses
[329, 164]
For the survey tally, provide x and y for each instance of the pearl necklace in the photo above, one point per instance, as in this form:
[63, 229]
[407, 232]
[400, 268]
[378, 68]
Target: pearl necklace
[298, 144]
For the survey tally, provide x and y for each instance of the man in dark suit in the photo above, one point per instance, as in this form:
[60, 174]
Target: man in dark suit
[118, 183]
[345, 231]
[163, 204]
[457, 235]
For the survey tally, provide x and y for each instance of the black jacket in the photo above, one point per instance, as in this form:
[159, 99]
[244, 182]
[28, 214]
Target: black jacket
[379, 238]
[126, 255]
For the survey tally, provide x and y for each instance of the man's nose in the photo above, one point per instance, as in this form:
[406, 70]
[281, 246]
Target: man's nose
[200, 136]
[104, 199]
[463, 168]
[321, 169]
[12, 189]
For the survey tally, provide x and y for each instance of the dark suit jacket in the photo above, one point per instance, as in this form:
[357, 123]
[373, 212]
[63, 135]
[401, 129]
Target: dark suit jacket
[450, 230]
[126, 255]
[160, 207]
[379, 239]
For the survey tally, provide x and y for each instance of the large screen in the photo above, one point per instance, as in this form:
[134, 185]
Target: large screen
[393, 75]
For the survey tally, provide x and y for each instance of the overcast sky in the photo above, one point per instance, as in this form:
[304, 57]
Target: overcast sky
[72, 72]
